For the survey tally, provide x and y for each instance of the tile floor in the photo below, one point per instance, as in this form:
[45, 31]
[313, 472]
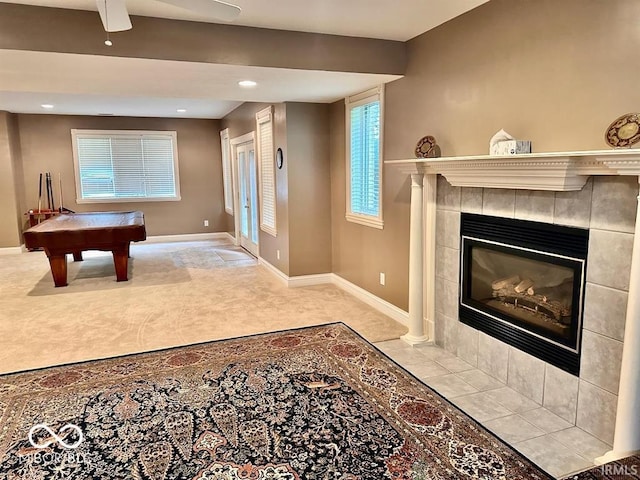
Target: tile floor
[551, 442]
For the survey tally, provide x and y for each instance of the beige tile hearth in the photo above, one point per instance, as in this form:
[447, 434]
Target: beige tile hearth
[513, 428]
[481, 406]
[555, 457]
[556, 445]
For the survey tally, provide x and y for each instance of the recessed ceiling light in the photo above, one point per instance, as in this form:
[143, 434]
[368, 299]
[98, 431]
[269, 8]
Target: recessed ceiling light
[48, 106]
[181, 110]
[247, 83]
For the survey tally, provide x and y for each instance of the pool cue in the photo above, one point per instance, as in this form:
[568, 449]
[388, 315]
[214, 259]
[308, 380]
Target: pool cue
[61, 209]
[40, 198]
[53, 200]
[47, 183]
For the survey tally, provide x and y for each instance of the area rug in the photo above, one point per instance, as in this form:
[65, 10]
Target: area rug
[313, 403]
[624, 469]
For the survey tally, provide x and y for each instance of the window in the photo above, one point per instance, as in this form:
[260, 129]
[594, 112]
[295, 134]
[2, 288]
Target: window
[264, 122]
[364, 114]
[227, 178]
[125, 166]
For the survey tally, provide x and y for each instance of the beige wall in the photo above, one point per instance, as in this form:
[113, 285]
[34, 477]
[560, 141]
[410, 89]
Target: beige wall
[303, 188]
[361, 253]
[308, 167]
[10, 192]
[45, 141]
[270, 245]
[18, 174]
[27, 27]
[554, 72]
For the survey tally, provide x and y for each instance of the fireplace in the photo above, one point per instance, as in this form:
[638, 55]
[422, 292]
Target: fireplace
[522, 282]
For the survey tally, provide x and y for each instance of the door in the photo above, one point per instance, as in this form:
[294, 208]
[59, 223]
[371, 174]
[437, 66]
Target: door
[248, 196]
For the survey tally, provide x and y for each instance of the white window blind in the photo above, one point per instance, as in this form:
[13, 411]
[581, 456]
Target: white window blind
[267, 173]
[364, 158]
[125, 166]
[227, 176]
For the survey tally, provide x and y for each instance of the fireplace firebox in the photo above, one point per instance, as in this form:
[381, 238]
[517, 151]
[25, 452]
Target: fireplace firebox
[522, 282]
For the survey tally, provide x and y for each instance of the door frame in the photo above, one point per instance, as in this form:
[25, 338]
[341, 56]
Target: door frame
[234, 142]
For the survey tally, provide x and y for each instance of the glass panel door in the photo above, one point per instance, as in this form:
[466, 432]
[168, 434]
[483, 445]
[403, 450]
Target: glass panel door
[248, 201]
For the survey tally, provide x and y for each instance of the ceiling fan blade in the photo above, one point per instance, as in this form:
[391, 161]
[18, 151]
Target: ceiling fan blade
[211, 8]
[114, 15]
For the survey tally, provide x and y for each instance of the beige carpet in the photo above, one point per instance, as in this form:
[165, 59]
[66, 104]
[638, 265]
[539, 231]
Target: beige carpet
[178, 294]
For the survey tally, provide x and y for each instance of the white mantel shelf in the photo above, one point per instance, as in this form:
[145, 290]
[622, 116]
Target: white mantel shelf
[555, 171]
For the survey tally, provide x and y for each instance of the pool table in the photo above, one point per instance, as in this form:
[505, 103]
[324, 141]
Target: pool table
[76, 232]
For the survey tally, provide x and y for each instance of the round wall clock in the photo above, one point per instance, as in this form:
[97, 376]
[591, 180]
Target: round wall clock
[279, 158]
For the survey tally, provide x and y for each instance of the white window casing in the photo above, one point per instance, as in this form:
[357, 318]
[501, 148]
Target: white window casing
[227, 173]
[364, 149]
[115, 166]
[266, 170]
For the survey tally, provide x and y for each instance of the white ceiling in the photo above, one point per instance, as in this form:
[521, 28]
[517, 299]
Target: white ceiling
[91, 85]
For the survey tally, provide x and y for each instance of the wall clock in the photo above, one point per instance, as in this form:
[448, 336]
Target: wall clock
[279, 158]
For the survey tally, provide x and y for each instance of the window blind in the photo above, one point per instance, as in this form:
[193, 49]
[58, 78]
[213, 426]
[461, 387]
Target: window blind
[128, 166]
[365, 159]
[267, 173]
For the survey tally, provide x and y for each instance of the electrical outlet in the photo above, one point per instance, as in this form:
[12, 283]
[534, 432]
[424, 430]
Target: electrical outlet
[278, 254]
[206, 223]
[382, 278]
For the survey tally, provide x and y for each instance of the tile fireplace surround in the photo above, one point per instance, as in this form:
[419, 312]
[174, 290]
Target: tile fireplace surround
[605, 203]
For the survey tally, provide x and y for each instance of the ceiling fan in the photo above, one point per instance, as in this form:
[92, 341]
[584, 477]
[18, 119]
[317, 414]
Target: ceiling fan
[115, 17]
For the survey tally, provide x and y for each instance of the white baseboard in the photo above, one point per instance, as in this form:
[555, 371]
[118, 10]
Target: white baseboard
[372, 300]
[367, 297]
[298, 281]
[274, 270]
[11, 250]
[309, 280]
[189, 237]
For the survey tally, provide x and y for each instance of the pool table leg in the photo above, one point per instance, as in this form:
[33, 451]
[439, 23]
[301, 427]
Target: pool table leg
[58, 264]
[121, 262]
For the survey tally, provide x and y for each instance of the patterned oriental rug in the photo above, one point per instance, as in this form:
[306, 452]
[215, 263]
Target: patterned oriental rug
[314, 403]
